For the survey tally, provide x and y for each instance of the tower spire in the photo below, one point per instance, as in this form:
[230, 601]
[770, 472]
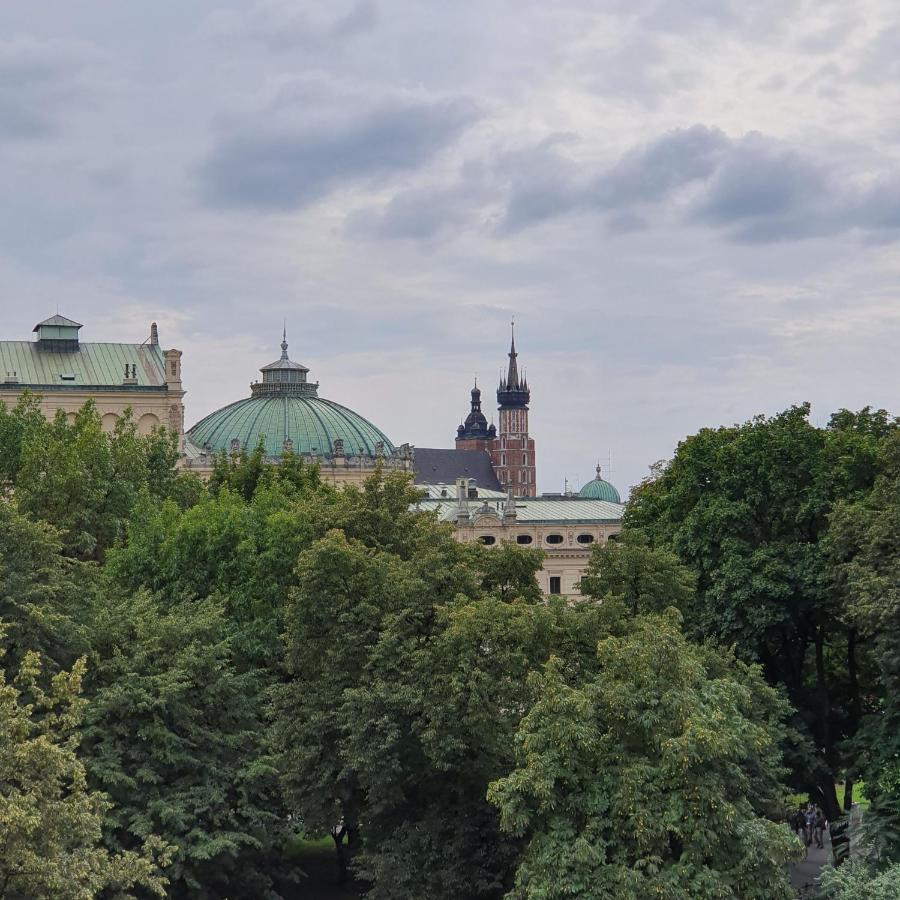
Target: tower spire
[512, 376]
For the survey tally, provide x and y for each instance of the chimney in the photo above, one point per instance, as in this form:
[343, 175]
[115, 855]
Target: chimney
[154, 335]
[462, 501]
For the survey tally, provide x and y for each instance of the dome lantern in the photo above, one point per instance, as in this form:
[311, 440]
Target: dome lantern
[284, 376]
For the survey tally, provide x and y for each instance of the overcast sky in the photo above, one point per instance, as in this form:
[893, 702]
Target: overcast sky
[692, 208]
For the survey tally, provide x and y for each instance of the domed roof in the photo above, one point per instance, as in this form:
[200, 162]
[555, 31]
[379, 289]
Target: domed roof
[598, 489]
[286, 412]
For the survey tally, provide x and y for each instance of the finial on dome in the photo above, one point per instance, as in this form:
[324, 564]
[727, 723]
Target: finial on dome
[284, 343]
[598, 472]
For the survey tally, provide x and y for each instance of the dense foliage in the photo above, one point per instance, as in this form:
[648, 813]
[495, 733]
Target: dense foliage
[748, 509]
[645, 780]
[866, 554]
[50, 819]
[264, 655]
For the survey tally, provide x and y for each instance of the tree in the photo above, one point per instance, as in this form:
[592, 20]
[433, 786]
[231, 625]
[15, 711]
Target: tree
[16, 427]
[50, 821]
[44, 595]
[509, 571]
[174, 734]
[405, 681]
[86, 482]
[643, 578]
[747, 508]
[865, 549]
[645, 779]
[857, 880]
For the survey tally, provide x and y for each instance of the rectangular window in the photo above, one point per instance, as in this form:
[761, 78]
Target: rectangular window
[555, 584]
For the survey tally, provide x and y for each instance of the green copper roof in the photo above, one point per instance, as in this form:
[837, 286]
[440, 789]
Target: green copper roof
[58, 320]
[311, 423]
[91, 365]
[286, 407]
[598, 489]
[534, 510]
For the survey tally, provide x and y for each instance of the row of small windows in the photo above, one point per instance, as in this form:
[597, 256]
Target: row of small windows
[524, 477]
[489, 539]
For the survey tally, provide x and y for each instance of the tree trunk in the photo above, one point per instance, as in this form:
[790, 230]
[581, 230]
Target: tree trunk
[341, 856]
[827, 791]
[848, 795]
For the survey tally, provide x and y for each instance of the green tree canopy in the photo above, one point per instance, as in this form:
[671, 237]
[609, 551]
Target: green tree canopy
[747, 509]
[865, 547]
[82, 480]
[641, 578]
[174, 734]
[50, 821]
[646, 779]
[44, 595]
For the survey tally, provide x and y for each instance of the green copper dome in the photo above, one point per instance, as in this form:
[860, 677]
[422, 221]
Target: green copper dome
[598, 489]
[285, 412]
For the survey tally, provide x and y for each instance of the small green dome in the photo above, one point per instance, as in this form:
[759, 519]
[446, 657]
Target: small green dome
[286, 413]
[598, 489]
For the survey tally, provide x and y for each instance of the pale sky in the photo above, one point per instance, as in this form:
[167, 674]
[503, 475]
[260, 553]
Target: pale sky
[692, 208]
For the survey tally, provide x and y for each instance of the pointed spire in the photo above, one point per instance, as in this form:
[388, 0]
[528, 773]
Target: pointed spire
[512, 377]
[284, 343]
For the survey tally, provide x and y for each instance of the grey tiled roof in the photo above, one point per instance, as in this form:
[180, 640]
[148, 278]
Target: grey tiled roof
[434, 466]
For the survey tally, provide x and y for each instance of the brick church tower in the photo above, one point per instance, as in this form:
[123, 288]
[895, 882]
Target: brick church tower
[512, 451]
[510, 448]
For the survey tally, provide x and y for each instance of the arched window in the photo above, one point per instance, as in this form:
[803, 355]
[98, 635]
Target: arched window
[554, 538]
[523, 538]
[488, 539]
[585, 539]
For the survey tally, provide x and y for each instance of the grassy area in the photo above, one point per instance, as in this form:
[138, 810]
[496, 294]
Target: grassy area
[316, 858]
[859, 796]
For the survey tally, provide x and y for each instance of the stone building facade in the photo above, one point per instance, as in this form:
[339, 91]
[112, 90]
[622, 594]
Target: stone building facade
[65, 371]
[565, 528]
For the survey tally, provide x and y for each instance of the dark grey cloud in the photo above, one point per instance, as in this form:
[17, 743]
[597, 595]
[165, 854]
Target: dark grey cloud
[752, 189]
[544, 184]
[652, 172]
[281, 168]
[418, 214]
[765, 191]
[39, 82]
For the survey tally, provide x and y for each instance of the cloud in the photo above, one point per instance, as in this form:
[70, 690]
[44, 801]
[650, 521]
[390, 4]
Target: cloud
[39, 81]
[418, 213]
[283, 166]
[763, 190]
[284, 25]
[753, 188]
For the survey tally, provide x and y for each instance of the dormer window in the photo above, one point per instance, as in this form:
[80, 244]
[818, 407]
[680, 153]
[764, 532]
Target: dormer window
[57, 334]
[67, 377]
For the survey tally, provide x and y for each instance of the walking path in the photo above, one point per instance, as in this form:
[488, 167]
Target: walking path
[805, 872]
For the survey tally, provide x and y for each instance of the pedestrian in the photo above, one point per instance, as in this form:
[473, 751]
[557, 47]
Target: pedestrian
[809, 823]
[820, 824]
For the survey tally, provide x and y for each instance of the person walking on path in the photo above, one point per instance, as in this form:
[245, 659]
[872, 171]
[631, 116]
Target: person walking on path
[819, 826]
